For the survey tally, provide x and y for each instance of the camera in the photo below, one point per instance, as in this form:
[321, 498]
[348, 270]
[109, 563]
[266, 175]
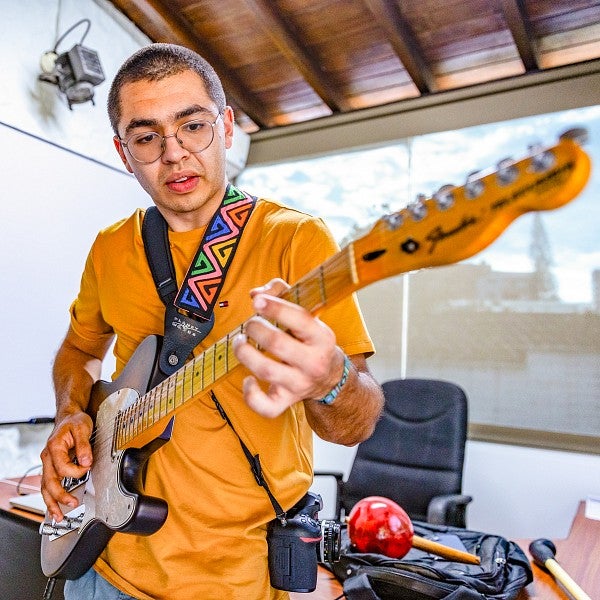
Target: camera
[300, 541]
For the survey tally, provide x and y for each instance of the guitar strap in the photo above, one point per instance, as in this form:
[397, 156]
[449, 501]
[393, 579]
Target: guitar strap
[189, 315]
[198, 293]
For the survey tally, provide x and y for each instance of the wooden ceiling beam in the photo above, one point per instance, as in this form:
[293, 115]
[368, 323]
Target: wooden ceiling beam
[287, 41]
[404, 43]
[522, 33]
[162, 24]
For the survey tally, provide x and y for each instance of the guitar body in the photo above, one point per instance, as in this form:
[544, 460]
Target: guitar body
[110, 496]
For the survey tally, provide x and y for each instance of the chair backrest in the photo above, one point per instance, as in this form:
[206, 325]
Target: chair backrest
[417, 449]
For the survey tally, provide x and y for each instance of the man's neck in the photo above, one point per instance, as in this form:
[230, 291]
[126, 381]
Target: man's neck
[181, 221]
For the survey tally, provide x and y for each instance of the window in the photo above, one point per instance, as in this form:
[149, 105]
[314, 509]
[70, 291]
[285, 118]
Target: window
[517, 325]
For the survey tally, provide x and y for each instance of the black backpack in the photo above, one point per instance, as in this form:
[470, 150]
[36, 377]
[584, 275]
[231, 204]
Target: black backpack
[503, 572]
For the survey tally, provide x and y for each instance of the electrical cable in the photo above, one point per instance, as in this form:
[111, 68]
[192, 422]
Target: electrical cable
[20, 482]
[62, 37]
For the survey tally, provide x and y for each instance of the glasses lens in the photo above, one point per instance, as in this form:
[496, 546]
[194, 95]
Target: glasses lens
[145, 147]
[195, 136]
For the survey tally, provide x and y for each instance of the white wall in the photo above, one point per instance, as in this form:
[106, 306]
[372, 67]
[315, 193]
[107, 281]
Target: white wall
[54, 199]
[30, 29]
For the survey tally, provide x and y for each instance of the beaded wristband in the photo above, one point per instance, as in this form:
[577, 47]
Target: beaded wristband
[333, 394]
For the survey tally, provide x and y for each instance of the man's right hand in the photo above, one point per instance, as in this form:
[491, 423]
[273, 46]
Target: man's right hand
[67, 453]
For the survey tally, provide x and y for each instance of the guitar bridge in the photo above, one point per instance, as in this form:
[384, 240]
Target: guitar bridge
[71, 522]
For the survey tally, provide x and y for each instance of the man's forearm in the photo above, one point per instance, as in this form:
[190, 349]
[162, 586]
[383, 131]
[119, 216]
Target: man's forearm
[74, 372]
[353, 415]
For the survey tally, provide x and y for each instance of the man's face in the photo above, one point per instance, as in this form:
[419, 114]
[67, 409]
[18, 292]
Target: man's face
[186, 187]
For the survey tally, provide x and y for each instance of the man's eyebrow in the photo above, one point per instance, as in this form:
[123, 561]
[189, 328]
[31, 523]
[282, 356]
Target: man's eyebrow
[137, 123]
[195, 109]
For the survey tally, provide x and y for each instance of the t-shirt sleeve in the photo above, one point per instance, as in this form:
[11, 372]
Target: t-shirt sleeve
[88, 325]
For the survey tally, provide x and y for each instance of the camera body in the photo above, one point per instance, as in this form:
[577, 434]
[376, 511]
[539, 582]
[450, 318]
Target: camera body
[300, 541]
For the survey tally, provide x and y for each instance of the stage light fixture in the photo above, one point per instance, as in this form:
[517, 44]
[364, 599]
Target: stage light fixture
[75, 72]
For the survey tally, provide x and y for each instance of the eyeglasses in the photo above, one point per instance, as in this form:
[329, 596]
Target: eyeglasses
[148, 146]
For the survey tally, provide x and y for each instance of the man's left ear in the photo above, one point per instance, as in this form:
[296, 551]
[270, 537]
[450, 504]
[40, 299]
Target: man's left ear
[228, 120]
[119, 147]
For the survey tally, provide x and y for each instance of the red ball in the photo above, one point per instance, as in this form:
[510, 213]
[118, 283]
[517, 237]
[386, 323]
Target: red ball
[378, 524]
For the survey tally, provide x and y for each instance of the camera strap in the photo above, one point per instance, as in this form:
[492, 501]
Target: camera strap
[254, 461]
[189, 315]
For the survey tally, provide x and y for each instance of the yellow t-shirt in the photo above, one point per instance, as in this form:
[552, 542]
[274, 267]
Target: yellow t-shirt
[212, 544]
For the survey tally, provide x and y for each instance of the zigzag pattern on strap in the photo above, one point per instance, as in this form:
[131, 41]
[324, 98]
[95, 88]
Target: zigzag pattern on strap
[206, 274]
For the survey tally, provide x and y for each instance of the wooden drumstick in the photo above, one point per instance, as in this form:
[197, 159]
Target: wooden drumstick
[544, 552]
[426, 545]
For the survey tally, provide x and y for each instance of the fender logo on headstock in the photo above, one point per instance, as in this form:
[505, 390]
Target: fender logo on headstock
[438, 234]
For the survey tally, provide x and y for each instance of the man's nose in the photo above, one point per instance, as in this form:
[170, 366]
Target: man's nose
[173, 150]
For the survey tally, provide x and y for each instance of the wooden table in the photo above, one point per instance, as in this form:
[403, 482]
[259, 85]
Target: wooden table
[578, 554]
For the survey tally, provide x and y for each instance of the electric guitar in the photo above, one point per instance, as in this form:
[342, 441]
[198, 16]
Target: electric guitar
[134, 416]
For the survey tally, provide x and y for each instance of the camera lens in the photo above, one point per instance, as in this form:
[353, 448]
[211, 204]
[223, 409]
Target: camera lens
[331, 540]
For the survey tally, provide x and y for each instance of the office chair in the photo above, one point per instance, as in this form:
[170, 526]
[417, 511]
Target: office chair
[415, 455]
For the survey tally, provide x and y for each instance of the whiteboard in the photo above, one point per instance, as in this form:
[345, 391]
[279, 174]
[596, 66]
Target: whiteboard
[52, 204]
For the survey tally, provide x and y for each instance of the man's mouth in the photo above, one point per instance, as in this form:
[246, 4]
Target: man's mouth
[183, 184]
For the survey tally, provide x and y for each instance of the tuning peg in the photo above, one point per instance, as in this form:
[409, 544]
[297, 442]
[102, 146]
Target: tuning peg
[393, 220]
[473, 186]
[417, 209]
[541, 159]
[577, 134]
[444, 197]
[507, 171]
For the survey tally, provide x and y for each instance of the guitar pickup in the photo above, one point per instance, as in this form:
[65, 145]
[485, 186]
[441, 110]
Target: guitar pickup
[70, 483]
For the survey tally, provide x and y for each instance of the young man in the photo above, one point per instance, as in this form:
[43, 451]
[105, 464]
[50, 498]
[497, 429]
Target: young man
[172, 127]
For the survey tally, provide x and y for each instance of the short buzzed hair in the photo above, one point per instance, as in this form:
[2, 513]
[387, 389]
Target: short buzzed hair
[155, 62]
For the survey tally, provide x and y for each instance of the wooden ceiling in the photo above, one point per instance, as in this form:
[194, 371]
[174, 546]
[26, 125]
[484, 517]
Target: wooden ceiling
[289, 61]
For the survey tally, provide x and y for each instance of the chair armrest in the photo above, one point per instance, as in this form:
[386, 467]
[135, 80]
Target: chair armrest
[448, 510]
[338, 475]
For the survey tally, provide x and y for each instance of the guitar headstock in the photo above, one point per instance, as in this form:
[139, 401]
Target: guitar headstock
[459, 221]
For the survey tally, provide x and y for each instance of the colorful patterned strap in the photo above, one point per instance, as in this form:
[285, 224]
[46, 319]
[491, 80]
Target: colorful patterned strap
[204, 280]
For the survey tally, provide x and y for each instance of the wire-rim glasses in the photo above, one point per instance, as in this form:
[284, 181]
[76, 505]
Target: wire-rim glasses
[148, 146]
